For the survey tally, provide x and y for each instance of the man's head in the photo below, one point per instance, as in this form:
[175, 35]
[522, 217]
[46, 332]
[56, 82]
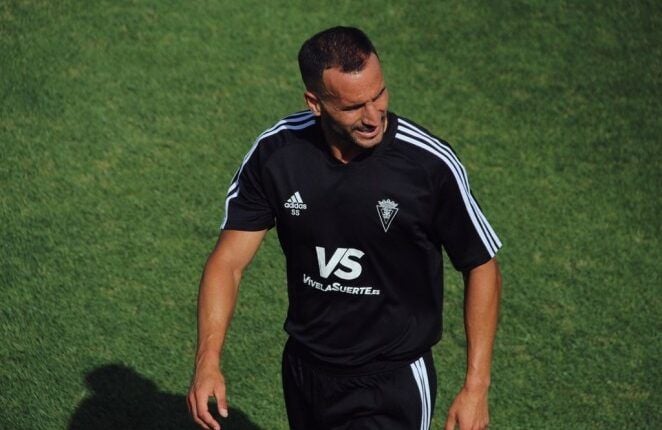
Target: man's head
[344, 48]
[345, 86]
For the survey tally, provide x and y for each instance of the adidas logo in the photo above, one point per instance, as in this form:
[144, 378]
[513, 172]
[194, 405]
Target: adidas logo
[295, 202]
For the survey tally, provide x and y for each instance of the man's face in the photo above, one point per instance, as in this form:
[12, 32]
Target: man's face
[353, 106]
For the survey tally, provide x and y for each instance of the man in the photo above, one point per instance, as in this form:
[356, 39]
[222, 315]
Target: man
[363, 201]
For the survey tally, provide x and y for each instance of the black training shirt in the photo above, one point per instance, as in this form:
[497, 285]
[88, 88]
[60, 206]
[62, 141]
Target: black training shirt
[362, 240]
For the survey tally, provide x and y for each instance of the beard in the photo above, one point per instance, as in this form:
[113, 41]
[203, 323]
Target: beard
[345, 138]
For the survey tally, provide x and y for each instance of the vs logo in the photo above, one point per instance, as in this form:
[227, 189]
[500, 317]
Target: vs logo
[346, 258]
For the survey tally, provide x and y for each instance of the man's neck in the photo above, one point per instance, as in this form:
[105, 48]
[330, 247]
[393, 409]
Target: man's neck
[341, 149]
[345, 152]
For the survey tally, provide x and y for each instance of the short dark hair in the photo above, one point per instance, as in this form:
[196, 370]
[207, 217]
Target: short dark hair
[347, 48]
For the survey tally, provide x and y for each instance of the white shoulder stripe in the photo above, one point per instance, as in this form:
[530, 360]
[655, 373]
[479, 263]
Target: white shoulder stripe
[417, 132]
[296, 121]
[453, 158]
[478, 225]
[290, 119]
[411, 134]
[233, 186]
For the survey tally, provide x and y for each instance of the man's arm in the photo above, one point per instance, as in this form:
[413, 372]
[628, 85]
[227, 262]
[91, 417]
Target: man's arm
[482, 293]
[216, 301]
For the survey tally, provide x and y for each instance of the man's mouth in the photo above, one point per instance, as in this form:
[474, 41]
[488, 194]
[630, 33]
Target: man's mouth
[367, 132]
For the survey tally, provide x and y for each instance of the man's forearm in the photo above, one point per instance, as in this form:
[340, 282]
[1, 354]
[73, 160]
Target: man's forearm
[482, 293]
[216, 301]
[481, 305]
[218, 290]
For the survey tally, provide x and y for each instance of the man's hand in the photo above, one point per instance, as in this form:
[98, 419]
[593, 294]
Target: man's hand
[207, 383]
[469, 410]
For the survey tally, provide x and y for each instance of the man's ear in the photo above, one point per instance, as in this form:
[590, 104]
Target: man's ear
[313, 103]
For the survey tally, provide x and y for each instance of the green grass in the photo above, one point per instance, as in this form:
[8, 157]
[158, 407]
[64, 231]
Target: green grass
[121, 124]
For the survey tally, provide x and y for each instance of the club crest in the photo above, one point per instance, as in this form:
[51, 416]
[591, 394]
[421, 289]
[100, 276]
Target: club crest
[387, 210]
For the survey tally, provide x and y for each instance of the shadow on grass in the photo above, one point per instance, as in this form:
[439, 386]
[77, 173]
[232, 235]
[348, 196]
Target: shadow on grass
[122, 399]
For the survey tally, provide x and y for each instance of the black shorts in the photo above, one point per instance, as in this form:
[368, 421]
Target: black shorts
[320, 398]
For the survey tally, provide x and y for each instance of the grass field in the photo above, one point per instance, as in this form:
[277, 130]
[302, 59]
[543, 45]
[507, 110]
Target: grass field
[122, 122]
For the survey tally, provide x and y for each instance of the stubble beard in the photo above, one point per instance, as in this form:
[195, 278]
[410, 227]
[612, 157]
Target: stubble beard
[344, 140]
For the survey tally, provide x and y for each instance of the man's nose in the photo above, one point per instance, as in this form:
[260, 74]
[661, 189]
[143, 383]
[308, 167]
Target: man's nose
[371, 115]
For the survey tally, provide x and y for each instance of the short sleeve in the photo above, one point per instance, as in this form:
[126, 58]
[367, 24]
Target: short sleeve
[246, 205]
[465, 233]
